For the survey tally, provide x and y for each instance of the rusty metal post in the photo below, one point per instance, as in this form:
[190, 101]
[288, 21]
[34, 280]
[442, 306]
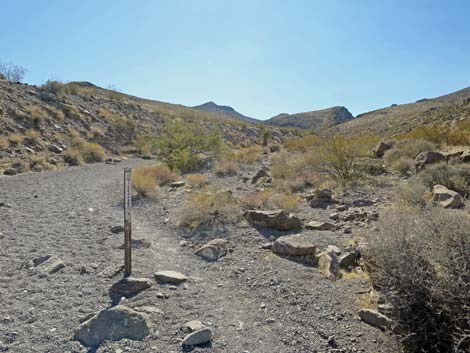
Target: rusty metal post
[127, 222]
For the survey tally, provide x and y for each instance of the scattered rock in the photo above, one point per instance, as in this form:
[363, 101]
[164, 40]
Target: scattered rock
[170, 277]
[55, 149]
[193, 325]
[130, 286]
[348, 260]
[293, 245]
[117, 229]
[328, 264]
[10, 171]
[381, 148]
[113, 324]
[374, 318]
[314, 225]
[48, 264]
[278, 220]
[213, 250]
[425, 158]
[362, 203]
[198, 337]
[178, 184]
[262, 173]
[446, 198]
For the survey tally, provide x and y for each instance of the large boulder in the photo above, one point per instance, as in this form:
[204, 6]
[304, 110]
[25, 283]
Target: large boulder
[425, 158]
[293, 245]
[198, 337]
[130, 286]
[113, 324]
[446, 198]
[278, 220]
[381, 148]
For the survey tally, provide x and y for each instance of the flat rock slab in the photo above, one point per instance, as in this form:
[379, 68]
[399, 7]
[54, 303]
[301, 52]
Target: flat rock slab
[113, 324]
[314, 225]
[374, 318]
[293, 245]
[278, 219]
[48, 264]
[198, 337]
[130, 286]
[170, 277]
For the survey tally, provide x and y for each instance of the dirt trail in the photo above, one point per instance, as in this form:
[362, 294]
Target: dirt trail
[254, 301]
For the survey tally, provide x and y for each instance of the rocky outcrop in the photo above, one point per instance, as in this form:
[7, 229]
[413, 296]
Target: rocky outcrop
[278, 220]
[425, 158]
[446, 198]
[381, 148]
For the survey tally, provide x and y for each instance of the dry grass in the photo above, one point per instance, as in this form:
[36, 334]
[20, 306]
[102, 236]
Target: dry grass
[227, 168]
[33, 135]
[407, 149]
[256, 200]
[287, 202]
[411, 193]
[4, 142]
[455, 177]
[95, 132]
[73, 157]
[39, 163]
[83, 151]
[197, 180]
[36, 114]
[16, 138]
[145, 183]
[268, 200]
[160, 172]
[209, 206]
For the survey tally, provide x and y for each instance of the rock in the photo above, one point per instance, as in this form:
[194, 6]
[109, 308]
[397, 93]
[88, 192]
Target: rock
[138, 244]
[328, 264]
[193, 325]
[267, 246]
[347, 230]
[86, 270]
[347, 260]
[333, 248]
[278, 220]
[293, 245]
[261, 174]
[374, 318]
[147, 157]
[5, 204]
[381, 148]
[362, 203]
[170, 277]
[113, 324]
[465, 157]
[117, 229]
[385, 309]
[425, 158]
[48, 264]
[446, 198]
[111, 271]
[213, 250]
[178, 184]
[314, 225]
[320, 198]
[334, 216]
[129, 286]
[341, 208]
[198, 337]
[10, 171]
[55, 149]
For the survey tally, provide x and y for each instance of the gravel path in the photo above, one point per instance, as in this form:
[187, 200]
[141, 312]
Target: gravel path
[254, 301]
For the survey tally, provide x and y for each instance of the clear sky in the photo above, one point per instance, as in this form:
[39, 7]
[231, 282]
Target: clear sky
[261, 57]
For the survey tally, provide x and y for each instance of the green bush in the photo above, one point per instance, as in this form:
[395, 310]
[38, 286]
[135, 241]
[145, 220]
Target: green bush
[181, 144]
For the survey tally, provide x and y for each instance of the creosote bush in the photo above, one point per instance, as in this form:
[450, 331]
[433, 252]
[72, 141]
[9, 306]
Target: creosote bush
[197, 180]
[226, 168]
[420, 261]
[82, 151]
[16, 138]
[182, 144]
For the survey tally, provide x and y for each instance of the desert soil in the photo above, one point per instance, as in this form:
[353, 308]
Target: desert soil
[254, 301]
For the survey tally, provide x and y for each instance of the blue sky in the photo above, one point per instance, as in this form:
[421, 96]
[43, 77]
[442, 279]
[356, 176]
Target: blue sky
[261, 57]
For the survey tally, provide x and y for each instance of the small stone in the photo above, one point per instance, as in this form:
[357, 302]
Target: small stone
[170, 277]
[374, 318]
[198, 337]
[362, 203]
[347, 260]
[314, 225]
[48, 264]
[130, 286]
[193, 325]
[178, 184]
[117, 229]
[334, 249]
[334, 216]
[86, 270]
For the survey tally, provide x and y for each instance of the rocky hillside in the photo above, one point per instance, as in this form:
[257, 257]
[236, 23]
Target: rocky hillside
[224, 110]
[39, 123]
[443, 110]
[312, 120]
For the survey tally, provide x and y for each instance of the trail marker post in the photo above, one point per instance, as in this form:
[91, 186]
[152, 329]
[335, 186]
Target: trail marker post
[127, 222]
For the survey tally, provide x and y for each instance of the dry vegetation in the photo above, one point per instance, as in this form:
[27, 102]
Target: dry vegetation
[146, 180]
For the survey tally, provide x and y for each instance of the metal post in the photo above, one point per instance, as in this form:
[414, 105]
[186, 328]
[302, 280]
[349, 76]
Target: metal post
[127, 222]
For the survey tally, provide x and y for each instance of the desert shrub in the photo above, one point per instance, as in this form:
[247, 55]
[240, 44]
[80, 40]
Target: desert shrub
[455, 134]
[58, 88]
[407, 149]
[287, 202]
[453, 176]
[12, 72]
[36, 114]
[39, 163]
[16, 138]
[4, 142]
[208, 207]
[266, 136]
[90, 152]
[245, 155]
[32, 135]
[160, 172]
[411, 193]
[71, 111]
[197, 180]
[226, 168]
[73, 156]
[302, 144]
[144, 182]
[123, 123]
[20, 166]
[95, 132]
[256, 200]
[181, 145]
[421, 262]
[144, 144]
[403, 165]
[274, 148]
